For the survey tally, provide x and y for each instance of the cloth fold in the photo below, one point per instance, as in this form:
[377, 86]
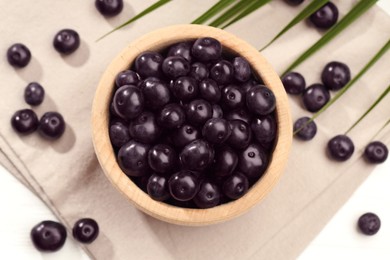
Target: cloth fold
[67, 177]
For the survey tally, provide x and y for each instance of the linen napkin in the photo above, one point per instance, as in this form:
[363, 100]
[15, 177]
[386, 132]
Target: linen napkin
[66, 175]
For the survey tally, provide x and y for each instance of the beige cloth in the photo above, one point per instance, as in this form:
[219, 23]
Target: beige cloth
[65, 173]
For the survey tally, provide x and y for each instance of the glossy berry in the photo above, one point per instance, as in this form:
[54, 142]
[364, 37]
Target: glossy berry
[119, 134]
[48, 236]
[34, 94]
[157, 187]
[217, 111]
[24, 121]
[199, 71]
[335, 75]
[326, 16]
[109, 7]
[369, 224]
[294, 2]
[197, 155]
[185, 135]
[233, 97]
[241, 134]
[18, 55]
[376, 152]
[222, 72]
[51, 125]
[207, 49]
[307, 130]
[294, 83]
[235, 186]
[156, 93]
[66, 41]
[246, 86]
[315, 97]
[183, 185]
[144, 128]
[175, 66]
[239, 114]
[148, 64]
[252, 161]
[171, 116]
[216, 130]
[260, 100]
[198, 112]
[162, 158]
[208, 195]
[182, 49]
[241, 69]
[127, 77]
[185, 88]
[209, 90]
[128, 102]
[225, 161]
[264, 129]
[133, 158]
[341, 147]
[85, 230]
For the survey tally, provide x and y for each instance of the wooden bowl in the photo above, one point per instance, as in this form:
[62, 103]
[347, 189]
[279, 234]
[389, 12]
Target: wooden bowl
[159, 40]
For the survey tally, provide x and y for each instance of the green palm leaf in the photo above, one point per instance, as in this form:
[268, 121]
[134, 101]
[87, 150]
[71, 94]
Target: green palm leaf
[230, 13]
[360, 8]
[138, 16]
[310, 9]
[217, 8]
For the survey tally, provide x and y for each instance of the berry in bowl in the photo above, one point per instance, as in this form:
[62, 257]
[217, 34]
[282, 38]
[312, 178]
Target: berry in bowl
[192, 125]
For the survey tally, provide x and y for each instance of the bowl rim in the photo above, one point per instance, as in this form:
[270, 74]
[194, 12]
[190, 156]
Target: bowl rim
[160, 39]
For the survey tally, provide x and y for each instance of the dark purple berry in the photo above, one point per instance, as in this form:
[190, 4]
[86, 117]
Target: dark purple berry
[369, 224]
[18, 55]
[34, 94]
[183, 185]
[217, 111]
[109, 7]
[156, 93]
[239, 114]
[376, 152]
[119, 134]
[252, 161]
[264, 129]
[133, 158]
[241, 134]
[222, 72]
[246, 86]
[216, 130]
[209, 90]
[197, 155]
[199, 71]
[232, 97]
[24, 121]
[198, 112]
[128, 102]
[51, 125]
[48, 236]
[307, 131]
[294, 83]
[185, 135]
[326, 16]
[182, 49]
[260, 100]
[185, 88]
[335, 75]
[171, 116]
[208, 195]
[157, 187]
[162, 158]
[294, 2]
[242, 69]
[85, 230]
[175, 66]
[127, 77]
[144, 128]
[340, 147]
[225, 161]
[66, 41]
[315, 97]
[148, 64]
[207, 49]
[235, 186]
